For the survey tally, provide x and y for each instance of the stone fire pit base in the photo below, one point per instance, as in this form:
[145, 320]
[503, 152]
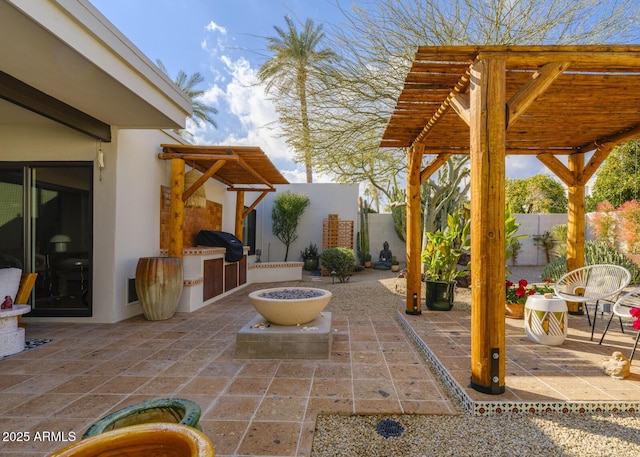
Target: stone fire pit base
[308, 341]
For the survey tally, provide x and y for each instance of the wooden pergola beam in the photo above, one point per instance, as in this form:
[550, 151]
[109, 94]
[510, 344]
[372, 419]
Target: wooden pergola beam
[460, 104]
[433, 166]
[614, 140]
[251, 189]
[251, 170]
[558, 168]
[199, 157]
[460, 88]
[255, 203]
[202, 179]
[540, 81]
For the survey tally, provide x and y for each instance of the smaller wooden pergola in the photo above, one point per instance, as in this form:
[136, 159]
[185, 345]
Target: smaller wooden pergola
[241, 168]
[493, 101]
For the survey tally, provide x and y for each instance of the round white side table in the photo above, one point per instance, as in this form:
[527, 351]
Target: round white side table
[546, 319]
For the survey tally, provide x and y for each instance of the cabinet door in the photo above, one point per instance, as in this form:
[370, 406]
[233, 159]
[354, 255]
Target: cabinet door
[213, 278]
[230, 276]
[242, 270]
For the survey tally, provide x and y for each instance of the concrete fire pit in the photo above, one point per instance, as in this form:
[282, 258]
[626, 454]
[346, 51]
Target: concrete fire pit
[290, 305]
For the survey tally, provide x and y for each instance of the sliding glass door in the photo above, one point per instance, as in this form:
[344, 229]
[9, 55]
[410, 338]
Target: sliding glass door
[46, 227]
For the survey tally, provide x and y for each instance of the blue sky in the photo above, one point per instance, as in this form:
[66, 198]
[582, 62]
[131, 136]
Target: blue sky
[224, 41]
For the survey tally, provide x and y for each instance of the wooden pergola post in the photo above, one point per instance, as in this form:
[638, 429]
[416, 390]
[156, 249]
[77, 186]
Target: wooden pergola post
[575, 223]
[414, 235]
[239, 214]
[176, 209]
[487, 148]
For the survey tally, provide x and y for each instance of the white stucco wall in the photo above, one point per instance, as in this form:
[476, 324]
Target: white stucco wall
[137, 227]
[381, 230]
[54, 142]
[535, 224]
[325, 199]
[126, 197]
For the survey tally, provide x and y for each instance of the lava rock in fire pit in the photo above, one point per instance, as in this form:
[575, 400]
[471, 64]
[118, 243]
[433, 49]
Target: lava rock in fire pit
[291, 294]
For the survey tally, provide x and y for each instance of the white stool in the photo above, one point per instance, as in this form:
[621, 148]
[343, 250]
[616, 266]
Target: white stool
[545, 319]
[12, 336]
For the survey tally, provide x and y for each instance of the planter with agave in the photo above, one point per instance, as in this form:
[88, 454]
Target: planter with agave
[440, 259]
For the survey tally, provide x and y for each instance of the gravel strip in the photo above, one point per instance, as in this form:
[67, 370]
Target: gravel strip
[463, 435]
[380, 293]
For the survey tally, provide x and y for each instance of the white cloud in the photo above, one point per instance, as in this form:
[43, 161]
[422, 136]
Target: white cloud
[245, 114]
[213, 27]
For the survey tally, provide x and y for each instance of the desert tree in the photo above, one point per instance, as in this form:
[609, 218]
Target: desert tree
[286, 212]
[377, 40]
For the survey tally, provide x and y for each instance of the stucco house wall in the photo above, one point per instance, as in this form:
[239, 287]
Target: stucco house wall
[324, 199]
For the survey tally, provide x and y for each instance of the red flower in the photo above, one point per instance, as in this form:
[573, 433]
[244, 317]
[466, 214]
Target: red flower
[523, 283]
[509, 284]
[521, 291]
[635, 312]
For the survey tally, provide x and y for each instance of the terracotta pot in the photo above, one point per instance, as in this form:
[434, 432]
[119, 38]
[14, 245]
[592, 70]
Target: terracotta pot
[168, 440]
[159, 285]
[514, 310]
[368, 264]
[395, 268]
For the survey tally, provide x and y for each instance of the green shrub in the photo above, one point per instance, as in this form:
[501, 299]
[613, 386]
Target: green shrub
[339, 262]
[595, 252]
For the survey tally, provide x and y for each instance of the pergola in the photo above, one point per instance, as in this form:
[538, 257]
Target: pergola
[241, 168]
[493, 101]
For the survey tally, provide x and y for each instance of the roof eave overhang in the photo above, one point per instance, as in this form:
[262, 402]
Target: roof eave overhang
[68, 50]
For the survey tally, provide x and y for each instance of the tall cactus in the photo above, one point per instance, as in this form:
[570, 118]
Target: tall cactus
[362, 237]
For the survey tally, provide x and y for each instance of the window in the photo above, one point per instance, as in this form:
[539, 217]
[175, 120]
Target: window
[249, 232]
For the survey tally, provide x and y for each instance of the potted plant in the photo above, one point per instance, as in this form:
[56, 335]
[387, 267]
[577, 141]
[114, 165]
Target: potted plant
[395, 265]
[440, 259]
[310, 257]
[517, 294]
[367, 261]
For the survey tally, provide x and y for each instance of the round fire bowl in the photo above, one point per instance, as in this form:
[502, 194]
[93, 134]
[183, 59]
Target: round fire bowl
[297, 305]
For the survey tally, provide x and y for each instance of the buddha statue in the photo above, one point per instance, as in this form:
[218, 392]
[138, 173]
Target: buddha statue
[384, 259]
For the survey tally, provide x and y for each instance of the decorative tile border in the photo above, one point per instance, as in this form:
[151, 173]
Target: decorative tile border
[493, 408]
[196, 251]
[276, 265]
[193, 282]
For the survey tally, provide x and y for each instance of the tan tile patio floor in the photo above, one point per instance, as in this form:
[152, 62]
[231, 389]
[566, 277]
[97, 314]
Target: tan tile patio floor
[269, 407]
[564, 378]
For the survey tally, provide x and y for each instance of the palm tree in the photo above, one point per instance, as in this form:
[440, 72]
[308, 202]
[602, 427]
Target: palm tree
[295, 59]
[187, 85]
